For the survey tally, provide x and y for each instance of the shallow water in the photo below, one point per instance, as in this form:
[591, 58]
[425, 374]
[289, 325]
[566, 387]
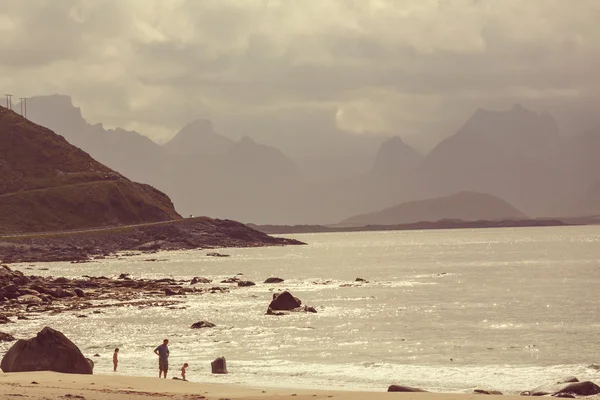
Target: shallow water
[447, 310]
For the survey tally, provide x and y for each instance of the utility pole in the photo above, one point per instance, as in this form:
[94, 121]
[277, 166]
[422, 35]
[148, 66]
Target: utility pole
[23, 106]
[9, 101]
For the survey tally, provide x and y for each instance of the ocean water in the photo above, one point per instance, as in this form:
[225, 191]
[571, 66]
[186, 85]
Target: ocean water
[447, 310]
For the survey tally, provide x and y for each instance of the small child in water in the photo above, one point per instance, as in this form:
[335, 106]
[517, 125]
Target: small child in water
[115, 359]
[183, 370]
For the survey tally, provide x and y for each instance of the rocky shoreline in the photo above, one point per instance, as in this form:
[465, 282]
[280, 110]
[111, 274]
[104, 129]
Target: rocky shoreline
[193, 233]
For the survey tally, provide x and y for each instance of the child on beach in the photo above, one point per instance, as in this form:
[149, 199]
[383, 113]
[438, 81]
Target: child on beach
[115, 359]
[183, 370]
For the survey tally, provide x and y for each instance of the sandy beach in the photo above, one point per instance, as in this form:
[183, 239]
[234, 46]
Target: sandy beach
[51, 386]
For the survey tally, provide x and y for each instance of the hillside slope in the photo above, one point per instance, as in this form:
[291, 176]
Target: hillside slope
[466, 206]
[48, 184]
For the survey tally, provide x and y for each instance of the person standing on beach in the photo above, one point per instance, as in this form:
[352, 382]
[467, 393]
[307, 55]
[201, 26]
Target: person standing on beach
[115, 359]
[162, 352]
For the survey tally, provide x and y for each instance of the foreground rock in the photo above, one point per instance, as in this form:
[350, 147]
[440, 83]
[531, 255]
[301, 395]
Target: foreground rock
[5, 337]
[488, 392]
[586, 388]
[400, 388]
[285, 302]
[191, 233]
[202, 324]
[215, 254]
[219, 366]
[50, 350]
[273, 279]
[21, 294]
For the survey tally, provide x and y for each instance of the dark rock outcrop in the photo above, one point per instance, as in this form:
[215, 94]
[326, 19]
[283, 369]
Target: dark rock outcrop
[5, 337]
[246, 283]
[284, 301]
[219, 366]
[235, 279]
[487, 392]
[90, 363]
[202, 324]
[50, 350]
[197, 280]
[400, 388]
[273, 279]
[214, 254]
[585, 388]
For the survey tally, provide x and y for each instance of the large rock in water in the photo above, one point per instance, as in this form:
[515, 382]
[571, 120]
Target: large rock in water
[284, 301]
[586, 388]
[50, 350]
[400, 388]
[219, 366]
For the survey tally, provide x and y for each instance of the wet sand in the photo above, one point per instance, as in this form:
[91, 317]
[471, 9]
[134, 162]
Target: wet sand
[55, 386]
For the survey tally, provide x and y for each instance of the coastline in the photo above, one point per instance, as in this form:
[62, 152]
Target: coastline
[83, 245]
[52, 385]
[418, 226]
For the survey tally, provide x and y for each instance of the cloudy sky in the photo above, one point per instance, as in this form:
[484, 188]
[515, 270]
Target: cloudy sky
[408, 67]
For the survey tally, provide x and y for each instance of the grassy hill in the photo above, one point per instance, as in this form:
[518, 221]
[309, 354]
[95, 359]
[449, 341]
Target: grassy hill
[47, 184]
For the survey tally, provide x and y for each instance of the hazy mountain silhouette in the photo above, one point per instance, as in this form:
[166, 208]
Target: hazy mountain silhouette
[466, 206]
[47, 183]
[199, 137]
[512, 154]
[396, 157]
[128, 152]
[516, 154]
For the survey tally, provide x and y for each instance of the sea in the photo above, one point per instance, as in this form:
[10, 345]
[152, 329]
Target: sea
[444, 310]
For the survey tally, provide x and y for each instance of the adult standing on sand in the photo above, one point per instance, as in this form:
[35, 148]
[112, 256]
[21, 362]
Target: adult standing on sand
[162, 352]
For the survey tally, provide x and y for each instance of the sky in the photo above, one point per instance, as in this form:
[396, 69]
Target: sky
[288, 67]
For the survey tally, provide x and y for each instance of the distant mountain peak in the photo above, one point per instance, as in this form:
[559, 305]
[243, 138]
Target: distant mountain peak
[200, 125]
[395, 156]
[199, 137]
[247, 140]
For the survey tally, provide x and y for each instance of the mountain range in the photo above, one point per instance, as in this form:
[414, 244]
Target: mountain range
[517, 155]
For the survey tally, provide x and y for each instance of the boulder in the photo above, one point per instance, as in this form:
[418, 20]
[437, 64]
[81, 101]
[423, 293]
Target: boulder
[50, 350]
[488, 392]
[567, 379]
[586, 388]
[90, 363]
[170, 292]
[273, 279]
[284, 301]
[246, 283]
[202, 324]
[29, 299]
[219, 366]
[400, 388]
[231, 280]
[79, 292]
[200, 280]
[12, 288]
[5, 337]
[214, 254]
[361, 280]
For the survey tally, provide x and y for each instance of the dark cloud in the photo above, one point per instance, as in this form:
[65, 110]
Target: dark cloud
[402, 66]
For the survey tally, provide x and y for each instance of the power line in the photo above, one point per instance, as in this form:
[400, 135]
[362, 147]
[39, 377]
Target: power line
[8, 101]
